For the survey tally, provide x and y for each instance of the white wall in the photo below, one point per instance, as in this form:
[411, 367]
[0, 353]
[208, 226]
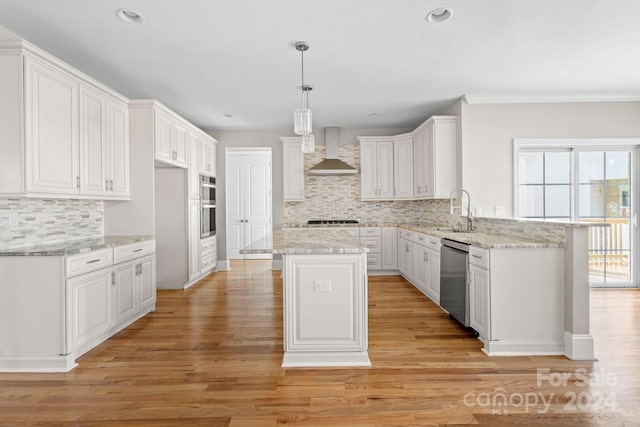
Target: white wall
[236, 139]
[488, 131]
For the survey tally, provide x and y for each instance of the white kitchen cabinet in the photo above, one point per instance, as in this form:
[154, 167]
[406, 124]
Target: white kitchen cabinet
[104, 145]
[64, 135]
[207, 157]
[193, 175]
[434, 157]
[371, 238]
[146, 283]
[171, 135]
[90, 308]
[479, 300]
[193, 239]
[422, 267]
[433, 283]
[292, 169]
[125, 290]
[403, 166]
[389, 248]
[51, 129]
[376, 168]
[208, 254]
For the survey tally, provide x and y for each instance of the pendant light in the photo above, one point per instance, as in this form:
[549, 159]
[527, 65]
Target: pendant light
[302, 122]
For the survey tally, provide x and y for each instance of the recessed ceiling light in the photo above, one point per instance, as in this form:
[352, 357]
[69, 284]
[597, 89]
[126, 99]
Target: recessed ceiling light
[441, 14]
[373, 115]
[129, 16]
[227, 116]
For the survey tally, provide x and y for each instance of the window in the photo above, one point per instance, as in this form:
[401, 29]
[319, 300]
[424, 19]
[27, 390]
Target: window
[544, 184]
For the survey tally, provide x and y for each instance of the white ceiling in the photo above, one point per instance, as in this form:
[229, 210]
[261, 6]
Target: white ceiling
[205, 58]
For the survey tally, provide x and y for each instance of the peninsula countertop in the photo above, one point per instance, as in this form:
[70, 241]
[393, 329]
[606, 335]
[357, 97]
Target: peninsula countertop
[306, 241]
[73, 247]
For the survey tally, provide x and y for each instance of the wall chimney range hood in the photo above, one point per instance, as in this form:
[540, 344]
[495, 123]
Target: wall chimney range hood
[331, 165]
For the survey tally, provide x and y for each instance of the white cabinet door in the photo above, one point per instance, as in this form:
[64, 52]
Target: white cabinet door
[89, 305]
[207, 161]
[94, 163]
[180, 141]
[146, 281]
[163, 136]
[422, 267]
[384, 170]
[193, 239]
[193, 175]
[479, 299]
[433, 282]
[428, 185]
[403, 167]
[51, 130]
[423, 166]
[368, 170]
[389, 248]
[126, 301]
[293, 170]
[118, 149]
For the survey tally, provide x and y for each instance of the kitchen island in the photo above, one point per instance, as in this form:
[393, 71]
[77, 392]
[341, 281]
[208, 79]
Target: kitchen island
[325, 296]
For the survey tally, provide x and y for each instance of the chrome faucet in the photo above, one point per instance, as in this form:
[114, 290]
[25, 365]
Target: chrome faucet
[452, 208]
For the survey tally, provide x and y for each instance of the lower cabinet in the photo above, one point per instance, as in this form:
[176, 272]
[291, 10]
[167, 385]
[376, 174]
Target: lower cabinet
[419, 262]
[479, 300]
[208, 254]
[89, 307]
[433, 284]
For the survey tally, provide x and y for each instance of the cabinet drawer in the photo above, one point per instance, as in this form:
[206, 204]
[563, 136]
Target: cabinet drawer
[90, 261]
[370, 232]
[207, 244]
[422, 239]
[208, 262]
[374, 244]
[408, 235]
[434, 243]
[374, 262]
[134, 250]
[479, 257]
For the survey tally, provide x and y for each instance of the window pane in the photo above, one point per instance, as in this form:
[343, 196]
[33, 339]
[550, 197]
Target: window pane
[596, 266]
[530, 168]
[618, 164]
[591, 166]
[618, 234]
[557, 201]
[591, 200]
[618, 266]
[531, 201]
[617, 200]
[557, 168]
[597, 239]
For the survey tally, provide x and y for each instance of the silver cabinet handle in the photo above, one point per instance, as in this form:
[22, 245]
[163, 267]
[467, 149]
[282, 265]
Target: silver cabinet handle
[138, 250]
[111, 184]
[106, 184]
[476, 256]
[93, 260]
[78, 181]
[113, 279]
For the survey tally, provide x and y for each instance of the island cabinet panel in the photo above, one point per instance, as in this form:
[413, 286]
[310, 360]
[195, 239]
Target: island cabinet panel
[325, 299]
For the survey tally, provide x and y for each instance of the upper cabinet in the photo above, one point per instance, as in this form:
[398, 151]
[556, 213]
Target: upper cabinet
[376, 167]
[417, 165]
[403, 166]
[292, 169]
[434, 161]
[207, 156]
[63, 134]
[171, 139]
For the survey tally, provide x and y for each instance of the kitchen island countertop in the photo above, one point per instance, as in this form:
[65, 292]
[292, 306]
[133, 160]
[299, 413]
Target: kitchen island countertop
[304, 241]
[73, 247]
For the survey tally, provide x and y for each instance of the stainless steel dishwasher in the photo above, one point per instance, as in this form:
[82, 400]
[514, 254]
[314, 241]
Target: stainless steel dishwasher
[454, 289]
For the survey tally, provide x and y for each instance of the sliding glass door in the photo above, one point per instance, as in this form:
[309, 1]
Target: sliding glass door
[585, 184]
[605, 196]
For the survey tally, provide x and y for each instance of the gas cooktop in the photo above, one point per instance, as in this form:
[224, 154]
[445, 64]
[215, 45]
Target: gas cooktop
[332, 221]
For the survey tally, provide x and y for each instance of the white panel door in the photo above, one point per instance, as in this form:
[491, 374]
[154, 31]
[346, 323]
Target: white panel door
[125, 286]
[51, 130]
[193, 239]
[385, 170]
[248, 202]
[163, 136]
[403, 167]
[146, 281]
[118, 145]
[368, 170]
[94, 179]
[389, 248]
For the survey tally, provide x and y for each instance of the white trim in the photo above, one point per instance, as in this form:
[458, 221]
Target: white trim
[523, 348]
[383, 273]
[223, 265]
[327, 359]
[578, 346]
[545, 99]
[62, 363]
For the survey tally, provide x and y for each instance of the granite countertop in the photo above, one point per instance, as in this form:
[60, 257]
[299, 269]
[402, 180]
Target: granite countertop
[306, 241]
[74, 246]
[479, 239]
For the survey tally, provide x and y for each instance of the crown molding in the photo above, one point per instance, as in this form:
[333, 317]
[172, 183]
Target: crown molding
[543, 99]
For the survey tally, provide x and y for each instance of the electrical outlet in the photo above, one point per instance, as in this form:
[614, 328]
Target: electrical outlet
[322, 285]
[500, 211]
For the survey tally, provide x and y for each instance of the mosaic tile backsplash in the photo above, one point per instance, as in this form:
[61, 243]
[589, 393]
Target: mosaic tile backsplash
[338, 197]
[25, 222]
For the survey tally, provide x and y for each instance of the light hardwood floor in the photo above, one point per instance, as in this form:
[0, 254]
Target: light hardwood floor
[210, 356]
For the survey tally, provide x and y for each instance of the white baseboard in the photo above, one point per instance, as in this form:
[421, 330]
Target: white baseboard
[383, 273]
[330, 359]
[223, 265]
[578, 346]
[523, 348]
[37, 363]
[276, 264]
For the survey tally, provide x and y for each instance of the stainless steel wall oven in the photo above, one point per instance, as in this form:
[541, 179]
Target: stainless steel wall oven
[207, 206]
